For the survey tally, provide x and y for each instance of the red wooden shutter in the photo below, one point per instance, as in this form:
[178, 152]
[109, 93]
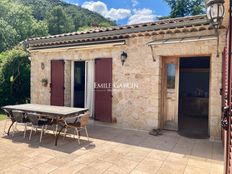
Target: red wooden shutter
[57, 82]
[103, 90]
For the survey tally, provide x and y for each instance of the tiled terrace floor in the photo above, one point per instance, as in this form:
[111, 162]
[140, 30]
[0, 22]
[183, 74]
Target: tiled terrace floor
[111, 151]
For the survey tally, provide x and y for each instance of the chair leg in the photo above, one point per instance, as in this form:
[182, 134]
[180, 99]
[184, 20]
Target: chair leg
[65, 132]
[73, 135]
[41, 135]
[56, 129]
[13, 128]
[87, 133]
[4, 131]
[16, 126]
[46, 129]
[78, 136]
[31, 132]
[25, 130]
[53, 129]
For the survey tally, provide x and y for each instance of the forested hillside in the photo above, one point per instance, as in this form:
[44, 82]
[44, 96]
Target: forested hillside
[80, 16]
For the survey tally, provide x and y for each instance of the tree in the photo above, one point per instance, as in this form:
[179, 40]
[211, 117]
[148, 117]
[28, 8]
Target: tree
[59, 22]
[14, 76]
[104, 25]
[39, 28]
[21, 19]
[181, 8]
[3, 7]
[8, 35]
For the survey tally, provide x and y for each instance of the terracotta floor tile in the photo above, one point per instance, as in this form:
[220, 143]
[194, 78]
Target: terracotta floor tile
[195, 170]
[111, 151]
[164, 170]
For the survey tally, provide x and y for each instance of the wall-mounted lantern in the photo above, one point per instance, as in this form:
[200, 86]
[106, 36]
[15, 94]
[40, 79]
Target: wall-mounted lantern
[123, 57]
[215, 12]
[42, 66]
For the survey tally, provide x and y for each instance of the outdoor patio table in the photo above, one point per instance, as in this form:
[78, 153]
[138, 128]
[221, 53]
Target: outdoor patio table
[53, 112]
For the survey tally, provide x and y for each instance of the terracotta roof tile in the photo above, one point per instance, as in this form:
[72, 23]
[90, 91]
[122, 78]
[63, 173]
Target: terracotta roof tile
[176, 25]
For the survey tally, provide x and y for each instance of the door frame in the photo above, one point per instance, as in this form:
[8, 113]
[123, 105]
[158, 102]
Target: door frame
[163, 86]
[163, 90]
[73, 78]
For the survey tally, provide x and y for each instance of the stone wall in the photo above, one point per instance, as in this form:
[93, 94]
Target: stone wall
[136, 108]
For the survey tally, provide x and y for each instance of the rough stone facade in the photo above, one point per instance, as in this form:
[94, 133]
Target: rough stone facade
[138, 108]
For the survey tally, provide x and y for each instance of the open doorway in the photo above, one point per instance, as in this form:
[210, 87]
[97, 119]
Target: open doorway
[194, 96]
[79, 84]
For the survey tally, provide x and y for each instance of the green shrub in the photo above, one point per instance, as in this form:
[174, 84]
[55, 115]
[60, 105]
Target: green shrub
[14, 77]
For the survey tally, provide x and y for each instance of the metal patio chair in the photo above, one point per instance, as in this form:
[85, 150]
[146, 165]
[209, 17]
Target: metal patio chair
[19, 118]
[37, 122]
[78, 123]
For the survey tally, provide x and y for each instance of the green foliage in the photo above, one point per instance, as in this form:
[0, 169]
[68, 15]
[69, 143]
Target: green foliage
[8, 35]
[181, 8]
[3, 7]
[59, 22]
[104, 24]
[14, 76]
[84, 28]
[20, 18]
[80, 17]
[2, 116]
[17, 24]
[83, 17]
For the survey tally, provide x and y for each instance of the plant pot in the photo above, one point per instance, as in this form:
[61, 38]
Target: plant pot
[44, 82]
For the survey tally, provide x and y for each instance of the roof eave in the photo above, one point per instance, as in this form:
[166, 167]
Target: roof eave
[118, 32]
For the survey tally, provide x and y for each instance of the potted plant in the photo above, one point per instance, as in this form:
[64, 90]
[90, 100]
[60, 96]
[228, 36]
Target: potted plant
[44, 82]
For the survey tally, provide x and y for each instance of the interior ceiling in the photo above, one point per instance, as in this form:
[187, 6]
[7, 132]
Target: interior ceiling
[195, 62]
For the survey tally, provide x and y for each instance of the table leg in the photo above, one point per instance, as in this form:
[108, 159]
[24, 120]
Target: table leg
[57, 135]
[8, 132]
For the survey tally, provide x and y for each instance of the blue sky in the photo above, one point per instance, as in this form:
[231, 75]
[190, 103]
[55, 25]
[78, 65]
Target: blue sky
[126, 11]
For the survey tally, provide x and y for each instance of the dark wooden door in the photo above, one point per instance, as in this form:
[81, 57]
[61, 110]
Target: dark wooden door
[57, 82]
[103, 90]
[227, 101]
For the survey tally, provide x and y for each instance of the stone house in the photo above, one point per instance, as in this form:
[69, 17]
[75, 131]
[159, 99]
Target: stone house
[171, 77]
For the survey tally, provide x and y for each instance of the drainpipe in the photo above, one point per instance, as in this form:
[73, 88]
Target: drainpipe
[228, 134]
[229, 56]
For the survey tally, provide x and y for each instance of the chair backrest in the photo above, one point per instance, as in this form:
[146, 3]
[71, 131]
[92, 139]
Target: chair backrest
[19, 116]
[33, 117]
[71, 120]
[84, 119]
[7, 113]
